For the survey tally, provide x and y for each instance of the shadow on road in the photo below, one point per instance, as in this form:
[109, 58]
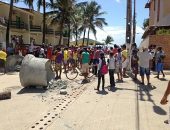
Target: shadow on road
[31, 90]
[144, 90]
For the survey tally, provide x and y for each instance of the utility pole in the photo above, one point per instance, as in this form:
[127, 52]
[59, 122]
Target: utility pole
[134, 22]
[128, 21]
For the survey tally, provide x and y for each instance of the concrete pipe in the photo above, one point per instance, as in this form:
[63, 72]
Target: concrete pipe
[13, 61]
[35, 71]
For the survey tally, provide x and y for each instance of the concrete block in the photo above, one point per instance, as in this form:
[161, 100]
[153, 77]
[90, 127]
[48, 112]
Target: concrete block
[35, 71]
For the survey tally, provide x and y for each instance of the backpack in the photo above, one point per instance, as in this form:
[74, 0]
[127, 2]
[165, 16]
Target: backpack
[104, 69]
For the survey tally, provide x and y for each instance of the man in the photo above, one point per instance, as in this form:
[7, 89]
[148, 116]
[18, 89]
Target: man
[85, 64]
[144, 62]
[58, 63]
[159, 57]
[125, 61]
[65, 59]
[3, 56]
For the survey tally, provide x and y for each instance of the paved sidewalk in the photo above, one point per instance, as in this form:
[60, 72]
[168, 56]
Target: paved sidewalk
[131, 107]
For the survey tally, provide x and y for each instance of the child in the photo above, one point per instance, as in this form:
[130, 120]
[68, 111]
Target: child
[102, 62]
[111, 64]
[119, 65]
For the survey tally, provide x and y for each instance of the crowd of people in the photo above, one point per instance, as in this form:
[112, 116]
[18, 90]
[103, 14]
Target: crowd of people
[118, 62]
[141, 61]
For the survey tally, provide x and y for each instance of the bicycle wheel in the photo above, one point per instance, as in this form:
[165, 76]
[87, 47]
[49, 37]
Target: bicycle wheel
[91, 72]
[72, 74]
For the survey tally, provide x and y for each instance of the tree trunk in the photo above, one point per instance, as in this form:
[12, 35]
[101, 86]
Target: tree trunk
[84, 36]
[61, 30]
[76, 36]
[69, 31]
[9, 23]
[44, 22]
[88, 37]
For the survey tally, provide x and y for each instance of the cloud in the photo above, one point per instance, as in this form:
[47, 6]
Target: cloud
[118, 1]
[118, 34]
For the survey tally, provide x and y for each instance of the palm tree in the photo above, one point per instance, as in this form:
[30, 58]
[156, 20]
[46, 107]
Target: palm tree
[62, 10]
[77, 20]
[108, 40]
[28, 2]
[92, 19]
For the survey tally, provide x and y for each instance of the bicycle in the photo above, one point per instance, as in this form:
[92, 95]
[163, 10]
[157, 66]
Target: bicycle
[74, 72]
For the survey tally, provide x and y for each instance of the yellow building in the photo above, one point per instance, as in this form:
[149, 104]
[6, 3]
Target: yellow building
[27, 23]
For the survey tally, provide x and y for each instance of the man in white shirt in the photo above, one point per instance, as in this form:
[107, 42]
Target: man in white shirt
[144, 62]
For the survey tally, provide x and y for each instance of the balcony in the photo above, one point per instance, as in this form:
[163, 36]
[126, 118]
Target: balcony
[57, 33]
[19, 25]
[35, 28]
[49, 31]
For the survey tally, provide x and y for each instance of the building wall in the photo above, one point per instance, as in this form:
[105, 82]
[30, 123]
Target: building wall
[37, 18]
[159, 14]
[151, 13]
[4, 10]
[164, 42]
[24, 34]
[27, 35]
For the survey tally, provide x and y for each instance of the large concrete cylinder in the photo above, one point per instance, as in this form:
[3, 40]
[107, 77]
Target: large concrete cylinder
[35, 71]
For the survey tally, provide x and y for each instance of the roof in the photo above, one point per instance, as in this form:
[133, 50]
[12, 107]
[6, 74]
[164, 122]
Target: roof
[25, 10]
[151, 30]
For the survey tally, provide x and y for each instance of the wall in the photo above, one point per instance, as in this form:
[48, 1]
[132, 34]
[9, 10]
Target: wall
[24, 34]
[151, 13]
[37, 18]
[164, 14]
[164, 42]
[4, 10]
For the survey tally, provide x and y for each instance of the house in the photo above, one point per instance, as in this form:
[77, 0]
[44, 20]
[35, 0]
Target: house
[27, 24]
[158, 31]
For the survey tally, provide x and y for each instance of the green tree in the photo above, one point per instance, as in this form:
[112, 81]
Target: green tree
[62, 10]
[92, 19]
[145, 23]
[108, 40]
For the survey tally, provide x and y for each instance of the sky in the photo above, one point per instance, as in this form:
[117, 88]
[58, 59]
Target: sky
[116, 18]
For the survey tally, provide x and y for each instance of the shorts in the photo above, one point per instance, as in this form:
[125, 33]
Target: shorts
[96, 61]
[65, 62]
[159, 67]
[118, 67]
[2, 63]
[57, 66]
[144, 71]
[71, 61]
[85, 68]
[125, 63]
